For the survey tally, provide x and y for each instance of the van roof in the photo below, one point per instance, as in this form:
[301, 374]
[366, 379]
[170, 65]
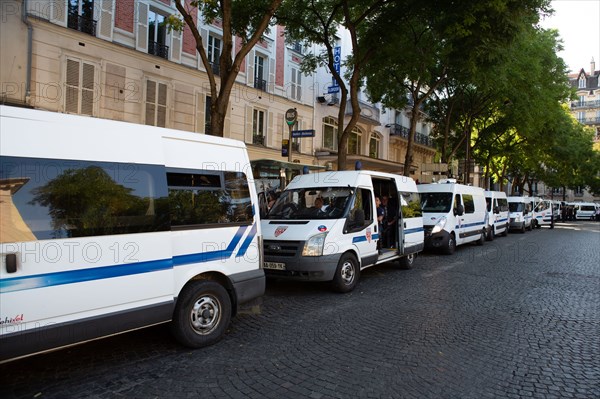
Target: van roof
[449, 188]
[350, 178]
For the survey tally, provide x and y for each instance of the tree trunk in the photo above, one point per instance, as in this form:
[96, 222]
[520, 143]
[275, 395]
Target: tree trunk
[414, 118]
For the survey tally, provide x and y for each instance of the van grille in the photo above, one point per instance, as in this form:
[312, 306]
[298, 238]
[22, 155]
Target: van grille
[283, 248]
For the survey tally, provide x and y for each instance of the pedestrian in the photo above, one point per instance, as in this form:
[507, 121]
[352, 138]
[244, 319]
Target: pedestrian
[389, 222]
[380, 215]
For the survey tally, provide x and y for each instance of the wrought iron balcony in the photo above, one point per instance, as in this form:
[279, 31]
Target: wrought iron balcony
[258, 139]
[585, 104]
[158, 49]
[402, 131]
[216, 68]
[590, 121]
[260, 84]
[81, 23]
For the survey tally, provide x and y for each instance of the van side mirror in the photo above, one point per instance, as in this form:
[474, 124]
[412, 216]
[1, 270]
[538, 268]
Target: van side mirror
[459, 211]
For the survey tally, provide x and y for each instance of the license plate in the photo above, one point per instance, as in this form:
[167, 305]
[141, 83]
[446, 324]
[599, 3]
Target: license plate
[274, 265]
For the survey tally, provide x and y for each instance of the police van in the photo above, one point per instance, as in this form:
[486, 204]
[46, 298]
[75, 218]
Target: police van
[327, 226]
[541, 212]
[453, 214]
[585, 211]
[497, 208]
[108, 227]
[520, 214]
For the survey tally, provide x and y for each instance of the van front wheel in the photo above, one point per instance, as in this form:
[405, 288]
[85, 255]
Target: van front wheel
[202, 314]
[406, 262]
[451, 246]
[347, 274]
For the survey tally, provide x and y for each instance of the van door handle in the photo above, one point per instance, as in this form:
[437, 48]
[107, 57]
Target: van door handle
[404, 224]
[11, 263]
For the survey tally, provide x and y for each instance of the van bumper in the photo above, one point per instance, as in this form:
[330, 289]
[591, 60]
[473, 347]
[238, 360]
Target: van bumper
[307, 268]
[437, 240]
[517, 225]
[248, 285]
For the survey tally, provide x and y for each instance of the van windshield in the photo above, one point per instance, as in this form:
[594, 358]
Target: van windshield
[515, 206]
[312, 203]
[436, 202]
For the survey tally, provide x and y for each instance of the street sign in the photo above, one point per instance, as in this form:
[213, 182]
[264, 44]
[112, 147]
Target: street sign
[290, 116]
[284, 147]
[303, 133]
[333, 89]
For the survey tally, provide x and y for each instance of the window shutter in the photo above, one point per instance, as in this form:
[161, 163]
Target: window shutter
[200, 116]
[271, 84]
[150, 102]
[250, 69]
[105, 19]
[87, 89]
[299, 86]
[161, 106]
[248, 132]
[141, 37]
[270, 139]
[175, 48]
[72, 83]
[204, 36]
[293, 84]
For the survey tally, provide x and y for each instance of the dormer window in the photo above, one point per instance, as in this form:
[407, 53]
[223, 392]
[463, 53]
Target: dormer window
[582, 82]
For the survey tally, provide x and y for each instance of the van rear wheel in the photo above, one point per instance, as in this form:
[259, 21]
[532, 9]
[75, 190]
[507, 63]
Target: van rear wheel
[202, 314]
[347, 274]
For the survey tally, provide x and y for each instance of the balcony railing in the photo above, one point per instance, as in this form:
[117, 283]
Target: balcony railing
[81, 23]
[260, 84]
[158, 49]
[216, 68]
[297, 47]
[589, 121]
[402, 131]
[367, 111]
[258, 139]
[585, 104]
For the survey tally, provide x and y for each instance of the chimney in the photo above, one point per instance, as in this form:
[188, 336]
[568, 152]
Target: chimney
[592, 67]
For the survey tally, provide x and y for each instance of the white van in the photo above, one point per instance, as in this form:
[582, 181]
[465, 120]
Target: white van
[497, 208]
[108, 227]
[324, 226]
[453, 214]
[542, 212]
[585, 211]
[520, 213]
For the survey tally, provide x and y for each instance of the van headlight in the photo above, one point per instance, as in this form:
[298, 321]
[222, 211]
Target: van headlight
[439, 226]
[314, 245]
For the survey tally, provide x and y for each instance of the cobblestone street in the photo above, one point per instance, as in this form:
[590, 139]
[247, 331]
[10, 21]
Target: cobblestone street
[518, 317]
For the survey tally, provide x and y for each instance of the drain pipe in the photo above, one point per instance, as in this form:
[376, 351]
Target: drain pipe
[29, 51]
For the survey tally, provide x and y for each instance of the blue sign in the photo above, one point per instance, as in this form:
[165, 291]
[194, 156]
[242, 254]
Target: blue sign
[303, 133]
[333, 89]
[337, 61]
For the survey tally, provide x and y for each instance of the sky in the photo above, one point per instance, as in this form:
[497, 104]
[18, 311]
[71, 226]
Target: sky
[578, 24]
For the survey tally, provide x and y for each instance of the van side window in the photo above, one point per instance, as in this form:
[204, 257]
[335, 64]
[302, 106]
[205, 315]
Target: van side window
[503, 204]
[53, 198]
[361, 213]
[469, 203]
[457, 202]
[411, 205]
[200, 198]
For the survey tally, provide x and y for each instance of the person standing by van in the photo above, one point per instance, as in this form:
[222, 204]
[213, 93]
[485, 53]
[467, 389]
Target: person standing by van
[380, 216]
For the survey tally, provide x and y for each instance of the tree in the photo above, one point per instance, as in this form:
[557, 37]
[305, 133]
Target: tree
[440, 41]
[318, 22]
[239, 18]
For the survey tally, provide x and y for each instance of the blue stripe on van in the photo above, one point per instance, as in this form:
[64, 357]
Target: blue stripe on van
[82, 275]
[99, 273]
[213, 255]
[502, 220]
[415, 230]
[364, 238]
[247, 241]
[470, 225]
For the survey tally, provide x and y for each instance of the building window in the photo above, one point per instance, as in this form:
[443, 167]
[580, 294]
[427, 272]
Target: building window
[214, 53]
[79, 98]
[581, 117]
[81, 16]
[258, 127]
[582, 82]
[581, 100]
[259, 72]
[157, 34]
[374, 146]
[355, 141]
[330, 133]
[296, 84]
[156, 103]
